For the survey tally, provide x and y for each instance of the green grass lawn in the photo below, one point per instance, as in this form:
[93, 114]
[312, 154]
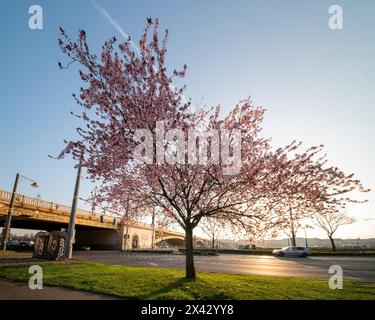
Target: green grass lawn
[268, 251]
[157, 283]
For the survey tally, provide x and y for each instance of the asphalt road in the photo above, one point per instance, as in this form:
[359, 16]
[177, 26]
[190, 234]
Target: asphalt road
[358, 268]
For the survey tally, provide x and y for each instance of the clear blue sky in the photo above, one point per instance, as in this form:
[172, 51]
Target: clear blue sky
[318, 85]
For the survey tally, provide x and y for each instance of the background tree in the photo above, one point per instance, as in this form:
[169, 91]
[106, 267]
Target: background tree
[307, 186]
[213, 228]
[330, 221]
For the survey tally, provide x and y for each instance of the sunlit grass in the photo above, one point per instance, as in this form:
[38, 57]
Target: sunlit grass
[159, 283]
[9, 254]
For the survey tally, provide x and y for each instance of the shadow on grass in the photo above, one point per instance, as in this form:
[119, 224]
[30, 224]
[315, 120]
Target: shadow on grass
[167, 291]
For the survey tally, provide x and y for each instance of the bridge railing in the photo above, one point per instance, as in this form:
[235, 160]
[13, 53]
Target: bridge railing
[22, 200]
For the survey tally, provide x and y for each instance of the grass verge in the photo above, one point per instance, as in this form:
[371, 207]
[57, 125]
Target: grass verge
[268, 251]
[9, 254]
[158, 283]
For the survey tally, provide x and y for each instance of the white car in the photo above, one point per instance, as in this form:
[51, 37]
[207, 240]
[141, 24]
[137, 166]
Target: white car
[292, 251]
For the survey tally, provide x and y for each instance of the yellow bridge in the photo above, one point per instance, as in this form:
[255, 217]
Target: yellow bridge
[38, 214]
[28, 208]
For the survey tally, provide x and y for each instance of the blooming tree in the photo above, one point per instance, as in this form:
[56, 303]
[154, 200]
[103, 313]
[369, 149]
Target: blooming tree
[309, 187]
[145, 146]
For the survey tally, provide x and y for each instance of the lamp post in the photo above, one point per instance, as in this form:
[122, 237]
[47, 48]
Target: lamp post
[306, 238]
[6, 230]
[73, 211]
[153, 230]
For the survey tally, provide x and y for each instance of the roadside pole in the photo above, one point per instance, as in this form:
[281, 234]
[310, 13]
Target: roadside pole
[153, 230]
[6, 230]
[73, 211]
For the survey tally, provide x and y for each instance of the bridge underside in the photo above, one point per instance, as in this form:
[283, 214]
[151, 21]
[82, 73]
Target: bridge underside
[86, 236]
[98, 238]
[33, 224]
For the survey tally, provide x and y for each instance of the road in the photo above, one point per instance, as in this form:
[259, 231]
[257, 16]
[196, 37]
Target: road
[358, 268]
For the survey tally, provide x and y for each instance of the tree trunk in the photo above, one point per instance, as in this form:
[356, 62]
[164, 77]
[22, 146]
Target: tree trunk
[293, 238]
[292, 232]
[332, 243]
[190, 268]
[213, 243]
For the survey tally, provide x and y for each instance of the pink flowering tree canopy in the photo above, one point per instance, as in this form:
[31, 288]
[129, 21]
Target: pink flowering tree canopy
[147, 148]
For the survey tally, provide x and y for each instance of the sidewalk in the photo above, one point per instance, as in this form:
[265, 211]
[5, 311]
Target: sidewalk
[21, 291]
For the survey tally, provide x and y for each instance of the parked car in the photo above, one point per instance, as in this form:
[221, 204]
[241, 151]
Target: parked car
[19, 245]
[79, 247]
[292, 251]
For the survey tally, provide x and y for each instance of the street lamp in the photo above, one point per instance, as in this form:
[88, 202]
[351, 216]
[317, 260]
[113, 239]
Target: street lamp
[73, 212]
[34, 185]
[153, 230]
[305, 227]
[6, 230]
